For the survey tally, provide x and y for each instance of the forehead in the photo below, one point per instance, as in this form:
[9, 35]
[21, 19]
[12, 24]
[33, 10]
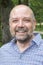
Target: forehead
[21, 12]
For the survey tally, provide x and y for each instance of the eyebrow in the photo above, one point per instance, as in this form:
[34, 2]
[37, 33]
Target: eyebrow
[28, 18]
[13, 18]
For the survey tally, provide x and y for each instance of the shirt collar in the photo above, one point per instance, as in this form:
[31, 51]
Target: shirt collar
[37, 39]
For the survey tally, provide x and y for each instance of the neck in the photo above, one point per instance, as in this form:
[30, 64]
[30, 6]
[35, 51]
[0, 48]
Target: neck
[23, 46]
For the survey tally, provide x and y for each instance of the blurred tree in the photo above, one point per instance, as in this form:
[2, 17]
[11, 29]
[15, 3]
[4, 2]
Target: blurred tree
[6, 6]
[0, 31]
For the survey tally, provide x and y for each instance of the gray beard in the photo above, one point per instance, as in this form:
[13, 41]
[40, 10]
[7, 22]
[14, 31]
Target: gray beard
[24, 40]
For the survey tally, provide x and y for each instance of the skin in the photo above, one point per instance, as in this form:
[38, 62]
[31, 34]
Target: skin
[22, 24]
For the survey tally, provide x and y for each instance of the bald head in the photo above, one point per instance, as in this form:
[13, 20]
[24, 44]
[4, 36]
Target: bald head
[22, 9]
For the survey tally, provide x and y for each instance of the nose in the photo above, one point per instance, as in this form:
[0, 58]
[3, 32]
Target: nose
[21, 24]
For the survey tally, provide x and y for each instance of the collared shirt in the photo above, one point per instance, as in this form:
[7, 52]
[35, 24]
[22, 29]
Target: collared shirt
[10, 54]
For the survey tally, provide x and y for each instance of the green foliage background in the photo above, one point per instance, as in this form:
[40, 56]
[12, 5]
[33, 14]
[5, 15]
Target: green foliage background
[37, 6]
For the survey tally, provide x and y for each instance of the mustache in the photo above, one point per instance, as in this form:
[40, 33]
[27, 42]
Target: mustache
[21, 29]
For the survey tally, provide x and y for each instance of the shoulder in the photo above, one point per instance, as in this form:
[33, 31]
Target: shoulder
[7, 46]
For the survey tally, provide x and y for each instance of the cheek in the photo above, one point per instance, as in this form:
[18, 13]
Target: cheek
[12, 25]
[11, 29]
[29, 26]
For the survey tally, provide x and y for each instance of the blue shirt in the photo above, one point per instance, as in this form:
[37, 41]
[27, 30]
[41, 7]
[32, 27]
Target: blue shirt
[10, 54]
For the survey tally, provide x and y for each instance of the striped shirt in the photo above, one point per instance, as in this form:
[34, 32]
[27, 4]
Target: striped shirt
[10, 54]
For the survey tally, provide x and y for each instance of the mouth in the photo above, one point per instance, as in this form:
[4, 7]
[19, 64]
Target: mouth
[21, 33]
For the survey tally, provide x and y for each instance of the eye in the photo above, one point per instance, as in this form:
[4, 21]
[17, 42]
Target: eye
[15, 21]
[27, 20]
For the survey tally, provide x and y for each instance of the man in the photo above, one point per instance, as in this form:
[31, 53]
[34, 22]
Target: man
[26, 47]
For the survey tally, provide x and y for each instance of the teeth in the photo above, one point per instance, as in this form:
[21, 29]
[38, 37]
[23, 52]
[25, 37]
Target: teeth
[20, 30]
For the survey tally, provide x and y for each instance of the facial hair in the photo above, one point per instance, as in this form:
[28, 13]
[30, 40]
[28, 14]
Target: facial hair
[26, 38]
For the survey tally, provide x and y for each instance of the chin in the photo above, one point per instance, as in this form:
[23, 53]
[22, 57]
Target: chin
[23, 39]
